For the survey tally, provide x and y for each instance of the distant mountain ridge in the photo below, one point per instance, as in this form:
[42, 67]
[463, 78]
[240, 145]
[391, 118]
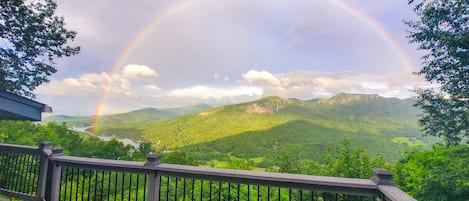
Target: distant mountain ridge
[252, 129]
[272, 125]
[133, 118]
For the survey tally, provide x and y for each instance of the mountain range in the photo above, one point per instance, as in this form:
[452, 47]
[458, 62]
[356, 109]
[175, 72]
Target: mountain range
[272, 126]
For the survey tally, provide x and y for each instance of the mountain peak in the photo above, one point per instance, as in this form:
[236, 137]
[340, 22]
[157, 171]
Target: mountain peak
[345, 98]
[269, 104]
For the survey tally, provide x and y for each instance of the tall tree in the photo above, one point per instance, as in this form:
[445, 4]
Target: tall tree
[442, 31]
[32, 37]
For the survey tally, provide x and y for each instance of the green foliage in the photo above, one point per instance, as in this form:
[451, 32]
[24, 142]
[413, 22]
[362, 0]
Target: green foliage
[442, 31]
[342, 161]
[178, 157]
[27, 133]
[33, 37]
[440, 174]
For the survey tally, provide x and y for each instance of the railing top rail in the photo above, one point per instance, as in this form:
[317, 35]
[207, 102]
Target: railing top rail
[20, 148]
[217, 174]
[394, 193]
[118, 165]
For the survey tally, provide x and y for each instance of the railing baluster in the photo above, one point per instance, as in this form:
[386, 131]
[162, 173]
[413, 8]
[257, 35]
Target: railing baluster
[145, 187]
[115, 185]
[66, 182]
[193, 186]
[279, 190]
[229, 191]
[249, 192]
[109, 175]
[184, 189]
[89, 184]
[176, 190]
[136, 188]
[258, 192]
[201, 189]
[77, 183]
[122, 186]
[21, 173]
[238, 191]
[210, 193]
[130, 186]
[71, 183]
[219, 191]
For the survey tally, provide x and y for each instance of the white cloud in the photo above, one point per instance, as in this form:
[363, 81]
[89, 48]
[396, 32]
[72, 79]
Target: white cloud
[93, 84]
[138, 71]
[207, 92]
[308, 84]
[253, 76]
[152, 87]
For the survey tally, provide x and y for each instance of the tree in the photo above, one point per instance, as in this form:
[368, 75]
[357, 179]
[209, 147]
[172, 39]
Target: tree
[442, 31]
[438, 174]
[32, 37]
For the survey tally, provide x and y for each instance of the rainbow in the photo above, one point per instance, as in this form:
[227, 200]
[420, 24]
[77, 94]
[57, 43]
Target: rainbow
[182, 4]
[134, 41]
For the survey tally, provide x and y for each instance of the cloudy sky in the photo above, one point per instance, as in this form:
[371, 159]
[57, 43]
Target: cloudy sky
[170, 53]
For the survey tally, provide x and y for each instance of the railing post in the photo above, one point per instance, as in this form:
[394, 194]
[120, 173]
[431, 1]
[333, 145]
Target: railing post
[46, 148]
[382, 177]
[153, 178]
[56, 174]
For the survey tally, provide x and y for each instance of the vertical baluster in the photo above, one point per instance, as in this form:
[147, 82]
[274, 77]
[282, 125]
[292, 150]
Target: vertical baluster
[258, 192]
[9, 167]
[279, 193]
[115, 185]
[136, 187]
[289, 194]
[130, 185]
[144, 187]
[268, 193]
[71, 183]
[65, 183]
[167, 188]
[83, 185]
[122, 186]
[102, 185]
[21, 174]
[77, 186]
[201, 189]
[184, 189]
[238, 191]
[176, 189]
[27, 174]
[301, 195]
[210, 191]
[193, 184]
[3, 170]
[312, 195]
[229, 191]
[89, 184]
[95, 185]
[219, 191]
[36, 171]
[12, 174]
[249, 192]
[109, 175]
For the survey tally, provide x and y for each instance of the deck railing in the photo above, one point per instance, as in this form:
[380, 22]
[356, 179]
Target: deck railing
[45, 173]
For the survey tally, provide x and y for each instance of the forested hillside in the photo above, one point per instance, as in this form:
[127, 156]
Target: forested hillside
[270, 126]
